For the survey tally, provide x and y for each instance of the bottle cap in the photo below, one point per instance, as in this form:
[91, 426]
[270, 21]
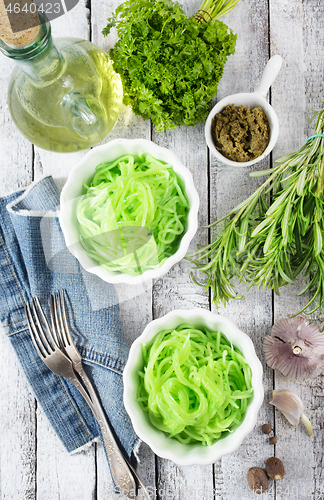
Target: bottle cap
[22, 27]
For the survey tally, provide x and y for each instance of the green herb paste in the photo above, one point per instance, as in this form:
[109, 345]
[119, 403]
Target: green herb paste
[239, 133]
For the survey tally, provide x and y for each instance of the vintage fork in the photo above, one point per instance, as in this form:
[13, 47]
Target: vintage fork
[56, 348]
[59, 318]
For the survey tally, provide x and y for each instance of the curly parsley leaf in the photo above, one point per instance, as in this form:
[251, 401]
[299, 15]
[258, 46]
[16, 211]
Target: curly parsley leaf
[170, 65]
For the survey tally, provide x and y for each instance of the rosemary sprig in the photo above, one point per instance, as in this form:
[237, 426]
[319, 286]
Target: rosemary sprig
[270, 246]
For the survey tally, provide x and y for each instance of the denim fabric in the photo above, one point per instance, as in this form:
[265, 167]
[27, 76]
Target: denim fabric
[35, 261]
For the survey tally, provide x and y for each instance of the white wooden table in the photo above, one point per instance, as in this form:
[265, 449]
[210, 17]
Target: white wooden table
[33, 462]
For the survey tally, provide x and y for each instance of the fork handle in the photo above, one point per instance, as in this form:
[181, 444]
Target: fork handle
[82, 390]
[120, 469]
[115, 457]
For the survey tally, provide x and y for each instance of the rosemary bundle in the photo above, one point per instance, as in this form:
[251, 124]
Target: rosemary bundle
[272, 245]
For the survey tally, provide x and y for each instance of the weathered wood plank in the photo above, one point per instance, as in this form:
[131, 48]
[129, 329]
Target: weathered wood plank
[17, 429]
[228, 186]
[15, 151]
[253, 316]
[135, 301]
[18, 406]
[60, 475]
[296, 96]
[176, 290]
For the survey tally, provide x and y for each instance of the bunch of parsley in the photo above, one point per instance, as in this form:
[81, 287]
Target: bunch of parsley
[170, 65]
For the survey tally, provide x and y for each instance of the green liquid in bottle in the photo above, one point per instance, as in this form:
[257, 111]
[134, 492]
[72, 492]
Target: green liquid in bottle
[67, 97]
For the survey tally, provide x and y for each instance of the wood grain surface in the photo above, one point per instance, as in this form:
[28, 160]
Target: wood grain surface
[33, 463]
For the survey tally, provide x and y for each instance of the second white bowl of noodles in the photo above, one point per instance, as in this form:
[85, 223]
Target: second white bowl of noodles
[159, 442]
[84, 170]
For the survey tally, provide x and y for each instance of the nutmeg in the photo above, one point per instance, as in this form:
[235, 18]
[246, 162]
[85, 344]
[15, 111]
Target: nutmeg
[273, 440]
[257, 480]
[266, 429]
[274, 468]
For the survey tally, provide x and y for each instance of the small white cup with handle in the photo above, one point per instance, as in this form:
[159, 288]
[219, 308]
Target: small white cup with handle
[252, 99]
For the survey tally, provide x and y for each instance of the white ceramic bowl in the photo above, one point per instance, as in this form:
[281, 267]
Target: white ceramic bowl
[163, 446]
[253, 99]
[84, 171]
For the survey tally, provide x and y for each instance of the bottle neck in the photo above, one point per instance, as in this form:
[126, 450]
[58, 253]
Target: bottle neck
[40, 60]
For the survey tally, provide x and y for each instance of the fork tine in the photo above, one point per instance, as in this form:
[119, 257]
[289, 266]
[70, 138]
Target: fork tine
[64, 317]
[60, 317]
[34, 333]
[57, 331]
[48, 340]
[38, 329]
[56, 311]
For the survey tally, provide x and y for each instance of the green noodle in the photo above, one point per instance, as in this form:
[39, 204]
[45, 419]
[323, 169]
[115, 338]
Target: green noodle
[195, 385]
[132, 214]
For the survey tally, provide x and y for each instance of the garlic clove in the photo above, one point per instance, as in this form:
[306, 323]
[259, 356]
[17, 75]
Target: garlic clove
[307, 424]
[291, 406]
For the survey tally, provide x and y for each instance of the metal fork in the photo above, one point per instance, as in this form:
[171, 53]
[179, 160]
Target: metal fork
[56, 348]
[47, 348]
[61, 326]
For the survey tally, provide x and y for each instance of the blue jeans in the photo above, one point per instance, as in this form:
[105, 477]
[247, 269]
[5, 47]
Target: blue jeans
[35, 261]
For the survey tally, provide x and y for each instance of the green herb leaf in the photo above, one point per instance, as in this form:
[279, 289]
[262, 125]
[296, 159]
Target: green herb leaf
[271, 247]
[318, 239]
[170, 65]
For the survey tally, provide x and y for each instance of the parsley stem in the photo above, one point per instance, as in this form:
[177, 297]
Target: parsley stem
[215, 8]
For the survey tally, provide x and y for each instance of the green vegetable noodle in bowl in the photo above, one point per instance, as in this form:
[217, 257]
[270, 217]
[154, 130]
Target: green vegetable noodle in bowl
[129, 211]
[193, 386]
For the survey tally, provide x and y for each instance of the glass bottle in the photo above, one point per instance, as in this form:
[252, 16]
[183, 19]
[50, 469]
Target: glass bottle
[63, 96]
